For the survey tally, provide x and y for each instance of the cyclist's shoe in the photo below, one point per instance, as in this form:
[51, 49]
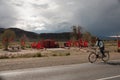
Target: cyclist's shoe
[97, 56]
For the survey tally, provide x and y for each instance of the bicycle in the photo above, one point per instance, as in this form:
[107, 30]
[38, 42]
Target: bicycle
[96, 54]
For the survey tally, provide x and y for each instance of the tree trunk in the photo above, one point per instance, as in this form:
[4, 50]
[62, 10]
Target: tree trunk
[6, 46]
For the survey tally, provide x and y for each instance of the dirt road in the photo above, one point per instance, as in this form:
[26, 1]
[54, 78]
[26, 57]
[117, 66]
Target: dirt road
[76, 57]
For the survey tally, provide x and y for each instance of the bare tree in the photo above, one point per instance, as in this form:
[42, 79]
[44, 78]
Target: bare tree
[76, 34]
[87, 36]
[23, 40]
[7, 37]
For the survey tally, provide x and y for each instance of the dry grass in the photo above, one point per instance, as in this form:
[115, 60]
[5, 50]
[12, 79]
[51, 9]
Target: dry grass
[28, 53]
[53, 57]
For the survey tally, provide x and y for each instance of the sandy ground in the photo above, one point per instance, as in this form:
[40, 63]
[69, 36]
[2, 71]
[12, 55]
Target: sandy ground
[76, 56]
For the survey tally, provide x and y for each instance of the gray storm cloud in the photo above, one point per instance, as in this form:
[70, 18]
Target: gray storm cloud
[7, 14]
[100, 17]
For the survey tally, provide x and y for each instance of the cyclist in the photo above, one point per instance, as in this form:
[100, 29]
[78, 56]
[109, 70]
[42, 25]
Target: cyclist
[100, 44]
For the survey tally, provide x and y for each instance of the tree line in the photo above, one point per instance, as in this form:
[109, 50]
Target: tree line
[9, 36]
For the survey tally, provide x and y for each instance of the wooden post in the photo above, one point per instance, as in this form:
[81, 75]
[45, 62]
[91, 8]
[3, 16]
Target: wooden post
[118, 44]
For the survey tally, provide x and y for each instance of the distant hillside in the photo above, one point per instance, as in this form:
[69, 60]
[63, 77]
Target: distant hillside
[34, 36]
[65, 36]
[19, 33]
[1, 30]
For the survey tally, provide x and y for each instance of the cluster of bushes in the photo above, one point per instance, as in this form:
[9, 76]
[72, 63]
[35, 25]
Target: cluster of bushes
[12, 55]
[61, 54]
[1, 46]
[29, 55]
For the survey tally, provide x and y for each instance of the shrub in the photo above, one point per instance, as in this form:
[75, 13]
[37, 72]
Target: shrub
[54, 55]
[4, 57]
[28, 46]
[1, 47]
[7, 37]
[37, 55]
[67, 54]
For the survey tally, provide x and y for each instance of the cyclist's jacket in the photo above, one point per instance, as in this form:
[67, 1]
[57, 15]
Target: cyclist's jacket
[100, 44]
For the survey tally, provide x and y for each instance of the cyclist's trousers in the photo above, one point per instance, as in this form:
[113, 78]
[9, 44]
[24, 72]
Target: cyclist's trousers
[102, 50]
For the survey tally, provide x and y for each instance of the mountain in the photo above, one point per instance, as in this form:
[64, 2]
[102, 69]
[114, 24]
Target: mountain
[1, 30]
[34, 36]
[19, 33]
[65, 36]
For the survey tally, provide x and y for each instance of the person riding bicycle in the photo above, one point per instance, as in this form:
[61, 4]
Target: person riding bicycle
[100, 44]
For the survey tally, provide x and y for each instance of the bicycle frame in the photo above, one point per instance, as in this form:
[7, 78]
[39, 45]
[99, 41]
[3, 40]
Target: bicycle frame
[95, 54]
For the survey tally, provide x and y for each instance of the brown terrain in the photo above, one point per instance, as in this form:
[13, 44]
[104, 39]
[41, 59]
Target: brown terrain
[52, 57]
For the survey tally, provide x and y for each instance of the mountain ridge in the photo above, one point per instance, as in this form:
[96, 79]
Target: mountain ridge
[35, 36]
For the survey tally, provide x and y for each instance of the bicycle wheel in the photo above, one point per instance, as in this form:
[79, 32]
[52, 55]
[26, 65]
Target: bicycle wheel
[107, 56]
[92, 57]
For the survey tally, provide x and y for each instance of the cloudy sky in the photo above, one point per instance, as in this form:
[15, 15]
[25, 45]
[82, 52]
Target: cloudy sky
[100, 17]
